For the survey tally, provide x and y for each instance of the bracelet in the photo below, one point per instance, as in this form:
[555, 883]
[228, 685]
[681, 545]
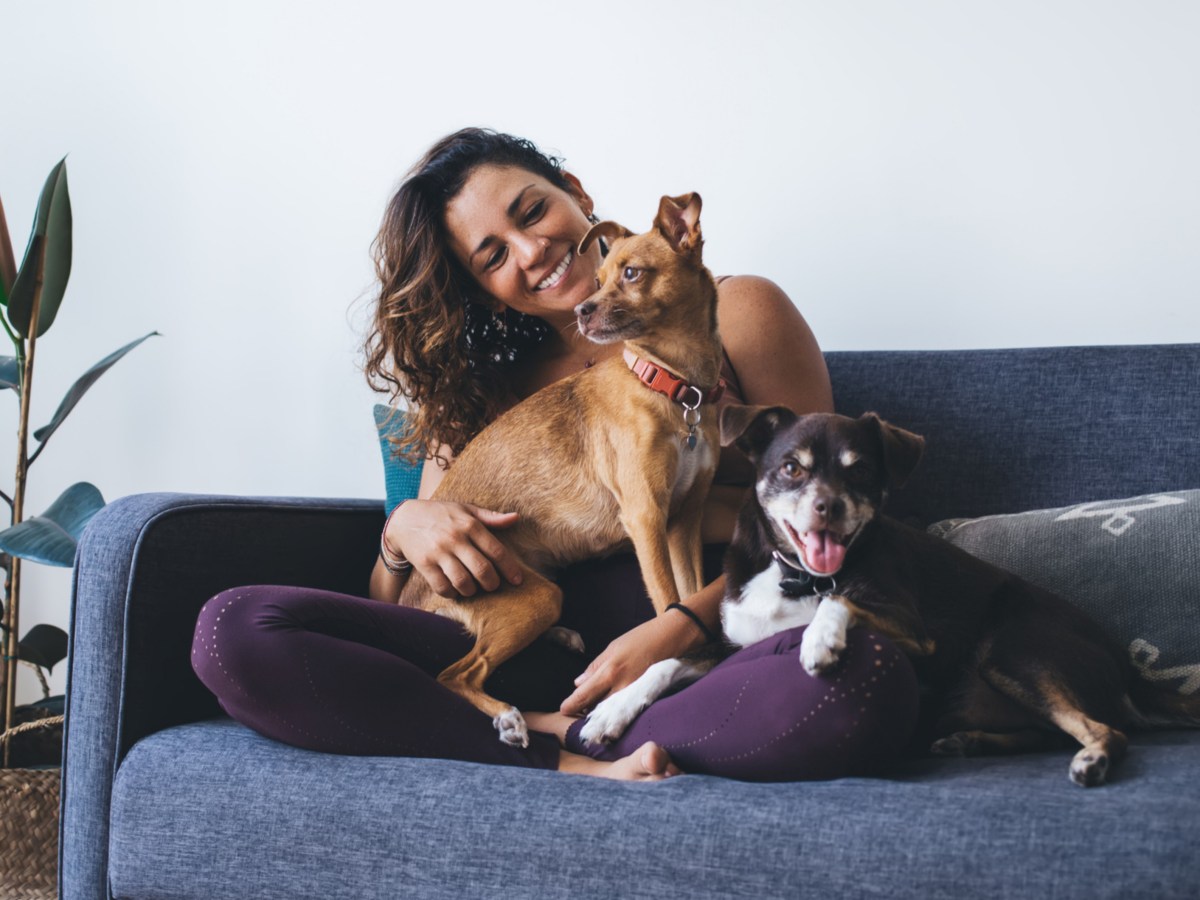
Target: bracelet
[393, 562]
[691, 614]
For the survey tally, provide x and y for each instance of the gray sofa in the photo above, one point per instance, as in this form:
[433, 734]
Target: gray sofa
[163, 797]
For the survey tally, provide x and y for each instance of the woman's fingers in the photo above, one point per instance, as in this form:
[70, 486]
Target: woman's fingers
[455, 550]
[496, 553]
[591, 687]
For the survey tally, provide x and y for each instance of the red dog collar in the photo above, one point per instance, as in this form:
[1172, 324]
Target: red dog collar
[659, 379]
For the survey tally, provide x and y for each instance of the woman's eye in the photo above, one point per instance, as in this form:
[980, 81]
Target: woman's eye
[631, 274]
[535, 212]
[495, 259]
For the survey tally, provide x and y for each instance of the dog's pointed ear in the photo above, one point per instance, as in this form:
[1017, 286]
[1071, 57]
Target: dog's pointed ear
[751, 428]
[902, 449]
[610, 231]
[678, 220]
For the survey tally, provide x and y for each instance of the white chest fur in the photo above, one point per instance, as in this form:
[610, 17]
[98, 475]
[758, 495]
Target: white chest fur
[763, 610]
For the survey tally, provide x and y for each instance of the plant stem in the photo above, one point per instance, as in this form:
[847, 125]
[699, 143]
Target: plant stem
[18, 510]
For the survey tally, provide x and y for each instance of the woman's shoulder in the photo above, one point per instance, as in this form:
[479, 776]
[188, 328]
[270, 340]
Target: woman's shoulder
[769, 344]
[750, 306]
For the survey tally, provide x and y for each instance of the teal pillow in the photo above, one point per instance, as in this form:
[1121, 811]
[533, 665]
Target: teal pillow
[401, 480]
[1133, 565]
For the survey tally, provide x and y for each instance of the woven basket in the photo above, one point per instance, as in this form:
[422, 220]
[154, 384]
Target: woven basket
[29, 811]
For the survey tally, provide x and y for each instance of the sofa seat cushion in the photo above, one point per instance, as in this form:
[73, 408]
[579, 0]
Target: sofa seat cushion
[213, 810]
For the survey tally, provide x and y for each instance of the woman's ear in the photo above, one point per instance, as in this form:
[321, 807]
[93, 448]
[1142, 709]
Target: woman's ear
[575, 189]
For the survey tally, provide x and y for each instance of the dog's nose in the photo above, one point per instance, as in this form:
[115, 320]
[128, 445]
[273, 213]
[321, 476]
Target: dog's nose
[585, 309]
[829, 507]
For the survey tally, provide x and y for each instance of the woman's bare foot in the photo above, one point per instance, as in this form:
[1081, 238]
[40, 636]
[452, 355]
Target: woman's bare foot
[648, 762]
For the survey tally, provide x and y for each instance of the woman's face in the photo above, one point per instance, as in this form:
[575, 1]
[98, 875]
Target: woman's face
[517, 234]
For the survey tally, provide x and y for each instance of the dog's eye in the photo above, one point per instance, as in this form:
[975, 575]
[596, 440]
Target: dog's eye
[631, 274]
[792, 469]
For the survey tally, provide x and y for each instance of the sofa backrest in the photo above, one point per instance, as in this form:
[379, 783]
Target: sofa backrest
[1013, 430]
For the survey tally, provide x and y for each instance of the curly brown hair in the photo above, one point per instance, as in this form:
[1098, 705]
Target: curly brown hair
[435, 339]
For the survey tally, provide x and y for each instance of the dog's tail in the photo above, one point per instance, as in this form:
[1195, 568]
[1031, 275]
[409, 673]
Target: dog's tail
[1158, 706]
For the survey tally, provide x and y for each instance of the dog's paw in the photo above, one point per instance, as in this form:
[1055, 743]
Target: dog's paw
[821, 648]
[565, 637]
[1089, 768]
[958, 744]
[608, 721]
[512, 729]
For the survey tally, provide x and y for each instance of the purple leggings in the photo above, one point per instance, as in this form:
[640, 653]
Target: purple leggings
[343, 674]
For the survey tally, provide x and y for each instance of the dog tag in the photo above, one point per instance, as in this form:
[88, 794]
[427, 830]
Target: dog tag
[691, 441]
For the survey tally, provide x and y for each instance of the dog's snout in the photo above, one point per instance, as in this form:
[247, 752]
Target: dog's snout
[585, 309]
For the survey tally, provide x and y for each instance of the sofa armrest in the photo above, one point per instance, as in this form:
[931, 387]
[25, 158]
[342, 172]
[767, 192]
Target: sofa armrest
[145, 566]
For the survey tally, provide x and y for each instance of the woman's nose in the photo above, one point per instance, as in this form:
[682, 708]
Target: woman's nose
[530, 250]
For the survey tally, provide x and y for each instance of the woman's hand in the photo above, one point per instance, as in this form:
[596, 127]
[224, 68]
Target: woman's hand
[452, 545]
[628, 657]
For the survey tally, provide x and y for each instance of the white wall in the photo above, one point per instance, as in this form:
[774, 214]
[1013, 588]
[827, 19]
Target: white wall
[916, 175]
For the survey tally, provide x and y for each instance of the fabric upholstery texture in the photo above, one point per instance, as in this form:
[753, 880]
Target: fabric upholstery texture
[1133, 564]
[160, 799]
[311, 825]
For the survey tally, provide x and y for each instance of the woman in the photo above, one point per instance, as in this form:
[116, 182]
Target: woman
[479, 278]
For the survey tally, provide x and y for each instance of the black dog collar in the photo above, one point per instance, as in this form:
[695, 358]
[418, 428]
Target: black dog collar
[798, 582]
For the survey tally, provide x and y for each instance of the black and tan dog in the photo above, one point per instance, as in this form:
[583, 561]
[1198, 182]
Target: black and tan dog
[621, 452]
[1012, 666]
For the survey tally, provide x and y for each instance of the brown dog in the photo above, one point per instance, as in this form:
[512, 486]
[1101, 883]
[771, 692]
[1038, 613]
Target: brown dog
[623, 451]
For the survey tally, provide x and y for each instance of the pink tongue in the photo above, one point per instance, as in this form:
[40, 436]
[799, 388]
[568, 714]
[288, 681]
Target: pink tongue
[823, 554]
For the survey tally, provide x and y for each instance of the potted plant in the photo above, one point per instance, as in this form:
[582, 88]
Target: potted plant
[30, 297]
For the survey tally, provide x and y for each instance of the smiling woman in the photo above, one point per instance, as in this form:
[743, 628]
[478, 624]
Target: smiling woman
[449, 325]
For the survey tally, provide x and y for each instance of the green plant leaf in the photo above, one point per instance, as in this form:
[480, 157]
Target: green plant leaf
[48, 253]
[80, 387]
[10, 373]
[43, 645]
[8, 262]
[51, 538]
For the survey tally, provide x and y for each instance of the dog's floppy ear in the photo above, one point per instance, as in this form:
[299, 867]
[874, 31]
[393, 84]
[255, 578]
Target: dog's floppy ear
[610, 231]
[678, 220]
[901, 449]
[752, 427]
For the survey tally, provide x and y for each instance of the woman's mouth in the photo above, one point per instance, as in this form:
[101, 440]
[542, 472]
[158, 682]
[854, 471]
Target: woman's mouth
[556, 276]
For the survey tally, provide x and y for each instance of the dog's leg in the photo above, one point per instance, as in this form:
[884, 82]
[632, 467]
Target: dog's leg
[1047, 693]
[685, 544]
[908, 636]
[1102, 744]
[504, 623]
[612, 716]
[565, 637]
[647, 528]
[825, 638]
[975, 743]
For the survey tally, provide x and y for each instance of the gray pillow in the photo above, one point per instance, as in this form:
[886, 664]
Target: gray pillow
[1134, 565]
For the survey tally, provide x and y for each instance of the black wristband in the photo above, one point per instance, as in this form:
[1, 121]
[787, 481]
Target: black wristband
[691, 614]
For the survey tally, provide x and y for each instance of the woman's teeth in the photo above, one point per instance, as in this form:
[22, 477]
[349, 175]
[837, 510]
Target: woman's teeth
[553, 278]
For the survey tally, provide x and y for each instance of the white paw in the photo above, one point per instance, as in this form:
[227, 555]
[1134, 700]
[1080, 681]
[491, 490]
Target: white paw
[609, 720]
[1089, 768]
[566, 637]
[824, 639]
[511, 726]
